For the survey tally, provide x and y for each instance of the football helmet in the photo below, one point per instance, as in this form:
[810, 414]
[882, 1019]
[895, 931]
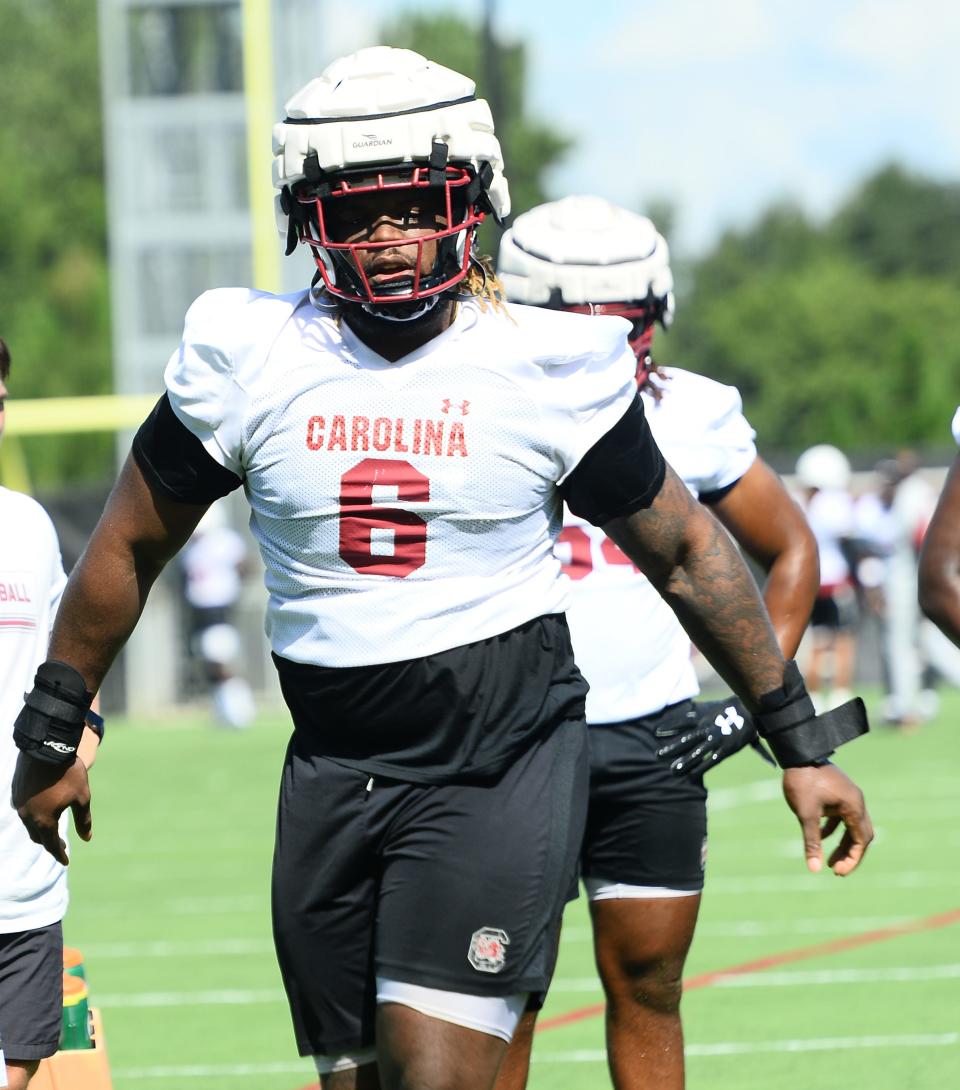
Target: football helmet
[387, 121]
[587, 255]
[823, 467]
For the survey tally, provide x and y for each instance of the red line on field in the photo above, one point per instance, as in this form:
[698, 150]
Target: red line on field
[704, 980]
[835, 946]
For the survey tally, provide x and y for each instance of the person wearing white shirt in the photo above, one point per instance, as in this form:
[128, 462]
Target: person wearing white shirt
[33, 885]
[405, 443]
[644, 853]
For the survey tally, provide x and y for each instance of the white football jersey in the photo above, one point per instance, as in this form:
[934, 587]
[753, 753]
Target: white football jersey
[832, 518]
[627, 640]
[33, 885]
[956, 426]
[402, 508]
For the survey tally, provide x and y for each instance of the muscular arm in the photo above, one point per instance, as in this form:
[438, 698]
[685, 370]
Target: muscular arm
[770, 526]
[940, 560]
[139, 531]
[690, 559]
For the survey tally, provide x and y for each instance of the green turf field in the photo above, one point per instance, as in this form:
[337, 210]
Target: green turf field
[170, 906]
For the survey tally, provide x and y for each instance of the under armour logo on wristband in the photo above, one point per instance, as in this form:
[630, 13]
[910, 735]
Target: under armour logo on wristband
[729, 720]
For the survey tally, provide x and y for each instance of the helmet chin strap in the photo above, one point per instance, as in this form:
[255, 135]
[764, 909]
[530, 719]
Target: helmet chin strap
[401, 312]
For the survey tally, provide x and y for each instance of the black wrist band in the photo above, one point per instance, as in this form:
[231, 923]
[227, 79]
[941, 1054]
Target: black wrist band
[95, 723]
[50, 725]
[793, 730]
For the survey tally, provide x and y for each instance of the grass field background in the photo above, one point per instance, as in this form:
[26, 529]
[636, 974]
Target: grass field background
[170, 905]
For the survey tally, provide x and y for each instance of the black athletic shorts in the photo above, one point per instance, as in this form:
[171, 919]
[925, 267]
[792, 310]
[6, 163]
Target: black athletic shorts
[31, 992]
[645, 826]
[836, 611]
[453, 886]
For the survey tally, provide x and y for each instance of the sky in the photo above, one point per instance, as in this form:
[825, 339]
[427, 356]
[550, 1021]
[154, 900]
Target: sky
[723, 108]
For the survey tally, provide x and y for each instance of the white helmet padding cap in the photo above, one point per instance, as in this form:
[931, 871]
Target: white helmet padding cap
[585, 250]
[381, 108]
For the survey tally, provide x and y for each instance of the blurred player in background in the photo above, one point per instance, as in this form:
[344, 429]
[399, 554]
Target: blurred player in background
[214, 561]
[644, 850]
[405, 445]
[940, 557]
[33, 885]
[823, 474]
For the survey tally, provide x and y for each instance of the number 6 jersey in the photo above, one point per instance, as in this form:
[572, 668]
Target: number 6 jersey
[403, 509]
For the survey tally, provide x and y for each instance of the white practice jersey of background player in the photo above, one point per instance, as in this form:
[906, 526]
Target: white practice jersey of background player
[33, 885]
[627, 640]
[469, 438]
[212, 561]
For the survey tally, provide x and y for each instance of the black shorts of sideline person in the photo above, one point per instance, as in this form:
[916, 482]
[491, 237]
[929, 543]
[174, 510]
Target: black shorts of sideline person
[31, 992]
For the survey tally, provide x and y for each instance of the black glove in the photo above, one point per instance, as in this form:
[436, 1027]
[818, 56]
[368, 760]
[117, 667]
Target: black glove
[723, 728]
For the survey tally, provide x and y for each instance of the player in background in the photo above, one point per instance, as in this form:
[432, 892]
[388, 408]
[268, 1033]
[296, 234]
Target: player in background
[645, 846]
[823, 475]
[33, 885]
[214, 561]
[939, 577]
[405, 445]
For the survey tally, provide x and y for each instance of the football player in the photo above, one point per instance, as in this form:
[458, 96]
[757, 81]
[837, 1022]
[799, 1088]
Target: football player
[405, 445]
[940, 555]
[33, 886]
[644, 850]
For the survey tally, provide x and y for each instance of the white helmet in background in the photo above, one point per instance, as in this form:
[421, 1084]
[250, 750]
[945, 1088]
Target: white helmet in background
[823, 467]
[587, 255]
[387, 119]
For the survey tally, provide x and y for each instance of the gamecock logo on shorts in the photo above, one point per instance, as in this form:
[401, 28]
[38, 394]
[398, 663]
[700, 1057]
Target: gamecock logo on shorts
[488, 949]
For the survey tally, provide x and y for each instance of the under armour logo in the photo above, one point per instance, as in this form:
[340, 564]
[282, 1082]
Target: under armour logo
[729, 719]
[464, 406]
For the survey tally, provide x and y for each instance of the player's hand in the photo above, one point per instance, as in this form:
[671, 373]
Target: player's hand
[42, 791]
[722, 728]
[813, 793]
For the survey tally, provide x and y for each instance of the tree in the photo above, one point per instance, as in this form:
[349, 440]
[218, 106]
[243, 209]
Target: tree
[898, 222]
[54, 305]
[845, 333]
[530, 147]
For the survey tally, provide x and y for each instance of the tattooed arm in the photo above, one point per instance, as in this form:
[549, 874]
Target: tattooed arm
[691, 560]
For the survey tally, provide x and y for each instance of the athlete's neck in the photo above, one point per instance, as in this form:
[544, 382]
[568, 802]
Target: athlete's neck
[394, 340]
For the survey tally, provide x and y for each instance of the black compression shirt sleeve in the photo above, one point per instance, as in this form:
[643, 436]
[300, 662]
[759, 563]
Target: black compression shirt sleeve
[173, 459]
[621, 473]
[717, 494]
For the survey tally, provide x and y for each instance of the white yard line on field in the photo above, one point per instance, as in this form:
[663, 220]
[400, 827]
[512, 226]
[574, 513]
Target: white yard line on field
[190, 948]
[222, 997]
[819, 926]
[719, 1048]
[743, 1048]
[799, 978]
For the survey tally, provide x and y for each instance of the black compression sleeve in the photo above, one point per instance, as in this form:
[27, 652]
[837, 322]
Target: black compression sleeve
[173, 459]
[717, 494]
[621, 473]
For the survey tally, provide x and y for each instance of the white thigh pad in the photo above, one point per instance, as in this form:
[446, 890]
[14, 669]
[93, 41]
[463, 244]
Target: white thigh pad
[599, 889]
[496, 1015]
